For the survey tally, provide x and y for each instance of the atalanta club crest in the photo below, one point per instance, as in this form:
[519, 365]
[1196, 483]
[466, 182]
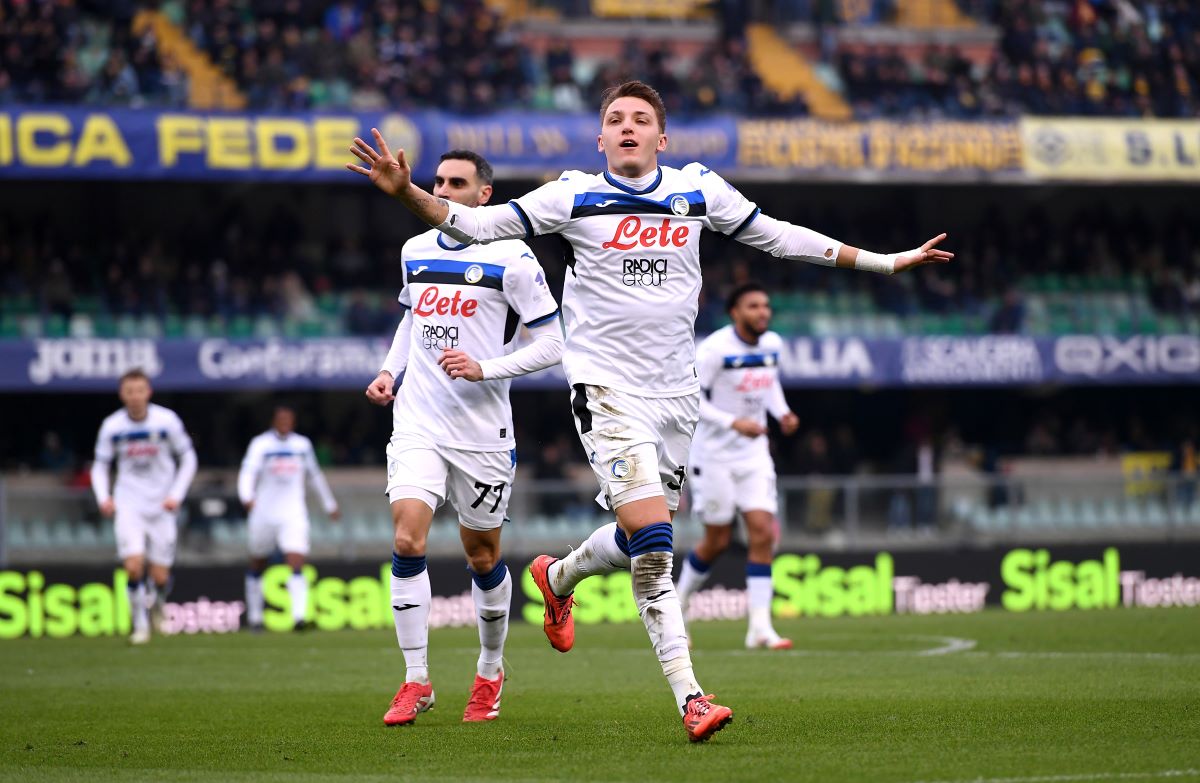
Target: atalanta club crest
[680, 206]
[473, 274]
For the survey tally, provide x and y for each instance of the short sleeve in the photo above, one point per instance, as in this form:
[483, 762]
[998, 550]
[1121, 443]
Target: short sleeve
[104, 444]
[546, 210]
[726, 209]
[526, 289]
[181, 442]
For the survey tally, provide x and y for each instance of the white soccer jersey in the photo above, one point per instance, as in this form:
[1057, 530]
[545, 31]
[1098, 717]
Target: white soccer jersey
[473, 298]
[273, 476]
[739, 381]
[145, 453]
[631, 295]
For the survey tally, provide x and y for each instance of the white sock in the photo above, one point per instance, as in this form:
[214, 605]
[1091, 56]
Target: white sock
[137, 606]
[254, 599]
[691, 577]
[759, 594]
[411, 598]
[658, 604]
[492, 608]
[298, 590]
[681, 679]
[600, 554]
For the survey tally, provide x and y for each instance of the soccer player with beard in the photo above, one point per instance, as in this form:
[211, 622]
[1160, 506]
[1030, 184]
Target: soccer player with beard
[146, 441]
[452, 436]
[730, 463]
[629, 305]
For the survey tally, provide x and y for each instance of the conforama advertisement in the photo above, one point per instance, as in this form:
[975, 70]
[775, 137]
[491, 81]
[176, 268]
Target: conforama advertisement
[59, 601]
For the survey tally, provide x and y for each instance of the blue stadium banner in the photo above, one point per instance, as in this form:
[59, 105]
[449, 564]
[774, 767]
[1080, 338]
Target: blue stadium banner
[93, 143]
[216, 364]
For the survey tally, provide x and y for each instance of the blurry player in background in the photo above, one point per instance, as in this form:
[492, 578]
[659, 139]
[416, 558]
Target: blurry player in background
[453, 434]
[271, 487]
[629, 304]
[145, 440]
[730, 462]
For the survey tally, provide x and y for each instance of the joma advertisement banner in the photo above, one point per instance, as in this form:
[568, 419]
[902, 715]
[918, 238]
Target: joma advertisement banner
[59, 602]
[219, 364]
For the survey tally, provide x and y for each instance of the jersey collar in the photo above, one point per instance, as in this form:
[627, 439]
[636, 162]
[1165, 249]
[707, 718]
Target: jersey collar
[441, 243]
[610, 179]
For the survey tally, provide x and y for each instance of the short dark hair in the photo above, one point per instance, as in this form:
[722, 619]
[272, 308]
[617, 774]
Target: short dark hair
[635, 89]
[736, 294]
[482, 168]
[133, 374]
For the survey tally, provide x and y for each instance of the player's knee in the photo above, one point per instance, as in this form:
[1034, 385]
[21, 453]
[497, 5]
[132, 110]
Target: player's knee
[408, 543]
[483, 561]
[716, 539]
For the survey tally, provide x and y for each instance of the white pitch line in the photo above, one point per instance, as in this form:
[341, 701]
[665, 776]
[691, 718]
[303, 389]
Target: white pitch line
[1087, 776]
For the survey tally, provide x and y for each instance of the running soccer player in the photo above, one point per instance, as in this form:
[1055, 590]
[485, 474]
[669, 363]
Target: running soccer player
[271, 487]
[629, 304]
[146, 440]
[452, 437]
[730, 460]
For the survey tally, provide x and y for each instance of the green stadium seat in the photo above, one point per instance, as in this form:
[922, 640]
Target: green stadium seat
[81, 325]
[104, 326]
[9, 327]
[173, 326]
[31, 326]
[241, 326]
[150, 327]
[127, 327]
[194, 328]
[265, 327]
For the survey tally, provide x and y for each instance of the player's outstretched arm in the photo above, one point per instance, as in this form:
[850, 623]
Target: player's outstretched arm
[785, 240]
[392, 174]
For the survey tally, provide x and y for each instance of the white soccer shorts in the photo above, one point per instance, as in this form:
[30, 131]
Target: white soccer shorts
[477, 483]
[637, 446]
[721, 489]
[289, 533]
[150, 533]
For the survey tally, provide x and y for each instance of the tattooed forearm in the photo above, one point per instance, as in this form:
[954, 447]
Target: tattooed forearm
[429, 208]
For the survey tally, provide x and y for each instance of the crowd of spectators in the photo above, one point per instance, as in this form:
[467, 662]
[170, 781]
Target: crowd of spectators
[232, 263]
[66, 52]
[1132, 58]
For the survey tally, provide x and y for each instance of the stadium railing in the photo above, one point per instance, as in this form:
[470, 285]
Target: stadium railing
[41, 525]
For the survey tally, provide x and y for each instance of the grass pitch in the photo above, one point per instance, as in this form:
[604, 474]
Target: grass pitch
[1105, 695]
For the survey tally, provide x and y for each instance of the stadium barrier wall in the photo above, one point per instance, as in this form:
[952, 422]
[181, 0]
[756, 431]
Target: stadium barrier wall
[222, 364]
[47, 142]
[60, 602]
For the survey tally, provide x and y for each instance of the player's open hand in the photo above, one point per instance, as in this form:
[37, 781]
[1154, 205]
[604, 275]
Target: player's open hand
[458, 365]
[925, 254]
[108, 508]
[748, 427]
[390, 173]
[380, 390]
[789, 423]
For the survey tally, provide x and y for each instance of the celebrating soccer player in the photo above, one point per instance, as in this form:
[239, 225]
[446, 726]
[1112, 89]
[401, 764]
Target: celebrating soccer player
[730, 461]
[271, 487]
[629, 304]
[453, 431]
[146, 440]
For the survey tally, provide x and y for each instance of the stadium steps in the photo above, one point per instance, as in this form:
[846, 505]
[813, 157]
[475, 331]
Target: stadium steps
[208, 87]
[785, 71]
[930, 14]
